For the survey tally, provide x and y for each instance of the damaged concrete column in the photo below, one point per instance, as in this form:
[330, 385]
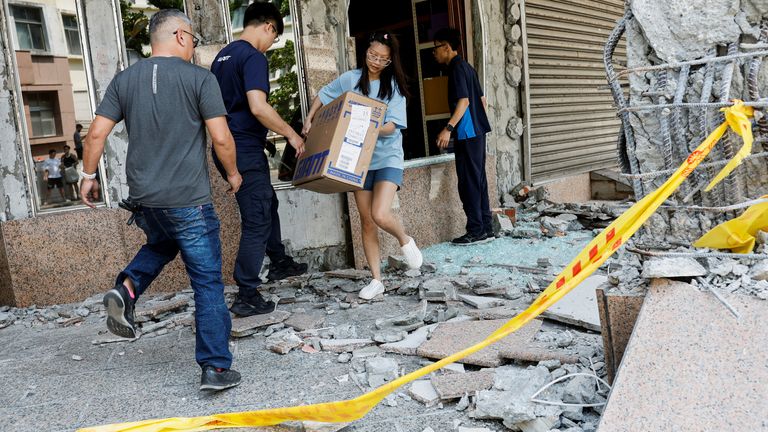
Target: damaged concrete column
[107, 58]
[15, 199]
[501, 56]
[209, 20]
[327, 51]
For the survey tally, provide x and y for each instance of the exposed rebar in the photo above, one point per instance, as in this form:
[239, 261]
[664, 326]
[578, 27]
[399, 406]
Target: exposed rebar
[726, 58]
[619, 100]
[697, 254]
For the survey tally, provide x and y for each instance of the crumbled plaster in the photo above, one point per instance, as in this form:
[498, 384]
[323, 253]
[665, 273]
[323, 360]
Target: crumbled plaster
[503, 57]
[107, 59]
[686, 30]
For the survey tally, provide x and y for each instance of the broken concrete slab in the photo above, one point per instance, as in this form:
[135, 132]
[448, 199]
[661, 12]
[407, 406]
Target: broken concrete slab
[618, 313]
[499, 290]
[352, 274]
[424, 392]
[304, 321]
[242, 327]
[283, 341]
[510, 398]
[451, 337]
[153, 310]
[381, 370]
[579, 307]
[389, 336]
[397, 262]
[502, 225]
[481, 302]
[454, 386]
[344, 345]
[497, 313]
[367, 352]
[438, 290]
[410, 343]
[714, 370]
[672, 267]
[532, 353]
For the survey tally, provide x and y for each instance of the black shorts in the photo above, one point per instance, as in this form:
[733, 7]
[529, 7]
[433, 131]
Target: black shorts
[55, 182]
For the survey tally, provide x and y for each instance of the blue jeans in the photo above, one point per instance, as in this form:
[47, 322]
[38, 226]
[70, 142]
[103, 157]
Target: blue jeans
[193, 231]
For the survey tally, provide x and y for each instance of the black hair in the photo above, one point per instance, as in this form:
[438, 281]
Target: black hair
[51, 151]
[78, 126]
[261, 12]
[449, 35]
[394, 70]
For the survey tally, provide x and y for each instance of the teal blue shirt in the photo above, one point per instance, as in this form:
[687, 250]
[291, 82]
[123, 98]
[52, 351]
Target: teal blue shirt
[389, 149]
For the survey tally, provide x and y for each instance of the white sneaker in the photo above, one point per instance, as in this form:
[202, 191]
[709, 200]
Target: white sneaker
[412, 254]
[371, 290]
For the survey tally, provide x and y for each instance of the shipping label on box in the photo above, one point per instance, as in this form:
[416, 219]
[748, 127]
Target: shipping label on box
[340, 145]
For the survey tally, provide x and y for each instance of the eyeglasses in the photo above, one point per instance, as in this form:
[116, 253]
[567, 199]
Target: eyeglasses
[434, 49]
[373, 58]
[195, 39]
[274, 30]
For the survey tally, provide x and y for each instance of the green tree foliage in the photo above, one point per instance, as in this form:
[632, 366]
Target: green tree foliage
[285, 98]
[136, 24]
[135, 28]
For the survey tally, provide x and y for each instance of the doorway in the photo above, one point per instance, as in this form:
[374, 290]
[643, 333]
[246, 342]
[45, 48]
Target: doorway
[414, 22]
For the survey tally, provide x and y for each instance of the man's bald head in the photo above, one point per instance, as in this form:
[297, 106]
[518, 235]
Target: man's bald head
[165, 22]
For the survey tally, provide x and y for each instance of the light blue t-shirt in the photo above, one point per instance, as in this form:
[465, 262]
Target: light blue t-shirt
[389, 149]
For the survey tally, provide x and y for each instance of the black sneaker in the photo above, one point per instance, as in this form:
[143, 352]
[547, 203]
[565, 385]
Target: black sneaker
[254, 305]
[119, 306]
[285, 269]
[470, 239]
[215, 379]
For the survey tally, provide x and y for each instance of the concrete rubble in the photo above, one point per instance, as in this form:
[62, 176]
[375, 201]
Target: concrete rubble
[456, 299]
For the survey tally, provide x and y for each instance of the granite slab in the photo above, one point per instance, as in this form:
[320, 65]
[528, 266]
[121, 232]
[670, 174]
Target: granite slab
[691, 365]
[452, 337]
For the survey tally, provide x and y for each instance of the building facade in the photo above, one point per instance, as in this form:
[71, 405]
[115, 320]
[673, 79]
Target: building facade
[538, 107]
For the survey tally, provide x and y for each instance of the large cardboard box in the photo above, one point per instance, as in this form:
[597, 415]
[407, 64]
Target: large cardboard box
[436, 95]
[340, 144]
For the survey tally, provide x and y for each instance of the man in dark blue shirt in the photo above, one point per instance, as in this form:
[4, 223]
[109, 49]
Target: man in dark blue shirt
[468, 125]
[242, 71]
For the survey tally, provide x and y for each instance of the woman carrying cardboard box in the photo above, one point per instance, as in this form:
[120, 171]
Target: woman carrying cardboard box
[382, 78]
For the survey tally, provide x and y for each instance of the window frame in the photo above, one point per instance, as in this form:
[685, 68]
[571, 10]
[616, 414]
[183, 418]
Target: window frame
[43, 33]
[69, 32]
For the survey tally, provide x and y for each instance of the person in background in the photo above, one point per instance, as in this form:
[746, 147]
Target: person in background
[382, 78]
[468, 125]
[69, 163]
[52, 172]
[78, 141]
[242, 71]
[167, 103]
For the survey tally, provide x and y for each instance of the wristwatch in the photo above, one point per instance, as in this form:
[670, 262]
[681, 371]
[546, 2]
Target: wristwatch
[449, 127]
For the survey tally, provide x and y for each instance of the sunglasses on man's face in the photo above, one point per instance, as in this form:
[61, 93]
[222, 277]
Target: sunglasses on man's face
[195, 39]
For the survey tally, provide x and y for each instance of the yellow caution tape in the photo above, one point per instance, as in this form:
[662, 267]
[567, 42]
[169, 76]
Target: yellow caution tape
[588, 260]
[738, 120]
[737, 234]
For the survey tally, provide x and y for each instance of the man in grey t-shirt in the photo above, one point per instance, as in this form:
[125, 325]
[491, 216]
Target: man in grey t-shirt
[167, 103]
